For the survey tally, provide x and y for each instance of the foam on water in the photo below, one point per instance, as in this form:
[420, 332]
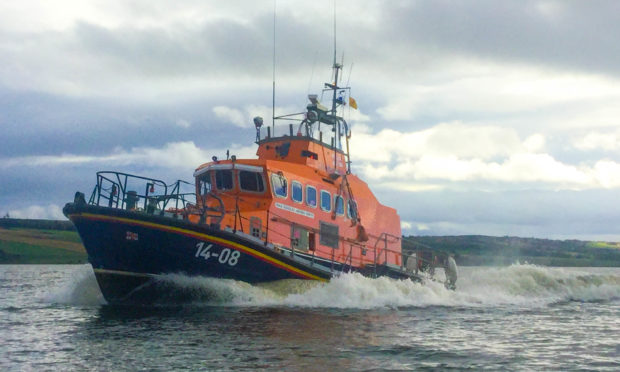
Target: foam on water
[79, 288]
[517, 284]
[525, 285]
[531, 284]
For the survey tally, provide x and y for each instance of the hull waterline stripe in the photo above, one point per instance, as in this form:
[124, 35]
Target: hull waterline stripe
[119, 272]
[195, 234]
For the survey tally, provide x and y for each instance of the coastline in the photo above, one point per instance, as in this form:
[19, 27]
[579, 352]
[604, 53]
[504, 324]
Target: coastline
[56, 242]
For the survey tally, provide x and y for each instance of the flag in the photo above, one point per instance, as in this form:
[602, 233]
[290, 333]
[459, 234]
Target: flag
[352, 103]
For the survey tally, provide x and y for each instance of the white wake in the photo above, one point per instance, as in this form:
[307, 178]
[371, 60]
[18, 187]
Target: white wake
[524, 285]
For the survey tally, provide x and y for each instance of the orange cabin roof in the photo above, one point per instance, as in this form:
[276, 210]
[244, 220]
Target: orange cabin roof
[310, 163]
[303, 150]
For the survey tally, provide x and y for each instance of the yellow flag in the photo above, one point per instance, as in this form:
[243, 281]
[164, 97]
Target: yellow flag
[352, 103]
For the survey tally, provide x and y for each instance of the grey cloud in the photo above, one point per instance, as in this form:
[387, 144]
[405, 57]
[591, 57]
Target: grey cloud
[215, 47]
[127, 85]
[535, 213]
[571, 34]
[45, 124]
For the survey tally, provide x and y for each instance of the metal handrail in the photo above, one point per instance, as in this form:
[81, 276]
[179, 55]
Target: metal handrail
[112, 189]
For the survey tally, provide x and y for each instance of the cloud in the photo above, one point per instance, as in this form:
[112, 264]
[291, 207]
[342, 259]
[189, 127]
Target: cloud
[183, 123]
[234, 116]
[413, 227]
[565, 35]
[460, 153]
[530, 212]
[467, 85]
[454, 97]
[534, 143]
[171, 155]
[244, 117]
[446, 139]
[606, 141]
[46, 212]
[454, 138]
[607, 173]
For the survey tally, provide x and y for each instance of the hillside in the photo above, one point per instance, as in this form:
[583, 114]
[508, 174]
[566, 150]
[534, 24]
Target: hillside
[489, 250]
[40, 246]
[57, 242]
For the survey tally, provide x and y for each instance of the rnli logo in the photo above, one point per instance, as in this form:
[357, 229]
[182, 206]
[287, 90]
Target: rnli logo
[131, 236]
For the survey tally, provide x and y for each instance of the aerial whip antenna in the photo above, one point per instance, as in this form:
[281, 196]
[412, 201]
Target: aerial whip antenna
[350, 71]
[334, 32]
[312, 73]
[342, 64]
[336, 67]
[273, 90]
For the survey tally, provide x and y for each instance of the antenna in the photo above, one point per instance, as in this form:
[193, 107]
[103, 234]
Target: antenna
[350, 71]
[336, 68]
[334, 32]
[312, 73]
[342, 64]
[273, 90]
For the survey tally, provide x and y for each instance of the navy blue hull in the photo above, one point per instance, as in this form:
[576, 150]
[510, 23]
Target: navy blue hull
[129, 249]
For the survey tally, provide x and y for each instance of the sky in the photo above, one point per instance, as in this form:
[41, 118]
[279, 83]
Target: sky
[474, 117]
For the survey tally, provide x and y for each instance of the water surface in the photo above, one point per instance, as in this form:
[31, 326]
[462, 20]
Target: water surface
[521, 317]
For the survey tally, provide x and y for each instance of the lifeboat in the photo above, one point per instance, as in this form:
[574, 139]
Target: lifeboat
[295, 212]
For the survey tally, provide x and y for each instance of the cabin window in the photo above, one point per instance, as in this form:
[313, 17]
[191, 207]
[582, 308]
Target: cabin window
[251, 181]
[224, 179]
[297, 193]
[278, 183]
[299, 238]
[326, 201]
[339, 205]
[352, 210]
[311, 196]
[204, 184]
[328, 234]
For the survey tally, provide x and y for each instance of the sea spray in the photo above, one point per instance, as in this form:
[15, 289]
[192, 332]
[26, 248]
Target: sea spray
[79, 288]
[525, 284]
[357, 291]
[212, 291]
[519, 284]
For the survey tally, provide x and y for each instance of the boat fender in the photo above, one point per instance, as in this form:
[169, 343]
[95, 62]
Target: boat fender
[451, 272]
[79, 198]
[362, 236]
[412, 261]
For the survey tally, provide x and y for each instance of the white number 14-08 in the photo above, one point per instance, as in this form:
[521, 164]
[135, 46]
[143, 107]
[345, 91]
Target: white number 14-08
[225, 256]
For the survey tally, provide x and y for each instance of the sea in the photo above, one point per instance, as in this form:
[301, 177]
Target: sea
[514, 318]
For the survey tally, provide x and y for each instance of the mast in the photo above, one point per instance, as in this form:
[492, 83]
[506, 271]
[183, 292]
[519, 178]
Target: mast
[336, 67]
[273, 90]
[334, 88]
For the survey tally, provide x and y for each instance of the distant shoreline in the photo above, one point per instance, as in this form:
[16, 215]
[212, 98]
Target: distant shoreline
[25, 241]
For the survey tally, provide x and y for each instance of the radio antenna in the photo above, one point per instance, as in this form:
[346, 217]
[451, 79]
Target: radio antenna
[273, 90]
[334, 32]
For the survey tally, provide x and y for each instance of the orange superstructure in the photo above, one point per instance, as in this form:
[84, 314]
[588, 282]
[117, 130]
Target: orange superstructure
[300, 195]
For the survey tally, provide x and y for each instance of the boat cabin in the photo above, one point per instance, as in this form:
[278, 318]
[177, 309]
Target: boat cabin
[300, 196]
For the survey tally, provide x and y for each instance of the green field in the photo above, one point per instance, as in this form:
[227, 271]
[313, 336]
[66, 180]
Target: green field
[55, 242]
[22, 253]
[478, 250]
[40, 246]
